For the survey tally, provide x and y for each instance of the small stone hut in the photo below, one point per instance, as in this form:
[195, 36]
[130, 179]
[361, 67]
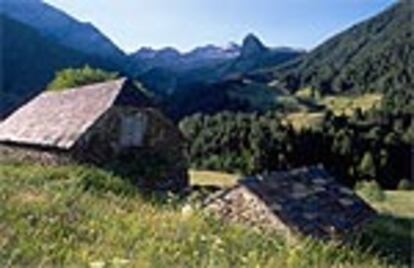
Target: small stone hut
[111, 124]
[305, 201]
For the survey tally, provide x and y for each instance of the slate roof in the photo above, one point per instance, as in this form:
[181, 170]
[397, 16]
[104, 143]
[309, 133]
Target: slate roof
[58, 119]
[307, 201]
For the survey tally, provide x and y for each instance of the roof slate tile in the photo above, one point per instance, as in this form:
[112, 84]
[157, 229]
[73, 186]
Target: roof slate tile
[59, 119]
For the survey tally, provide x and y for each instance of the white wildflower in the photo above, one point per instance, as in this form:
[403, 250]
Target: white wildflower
[97, 264]
[187, 210]
[120, 262]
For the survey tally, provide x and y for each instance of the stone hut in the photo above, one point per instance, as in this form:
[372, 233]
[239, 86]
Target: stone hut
[305, 201]
[111, 125]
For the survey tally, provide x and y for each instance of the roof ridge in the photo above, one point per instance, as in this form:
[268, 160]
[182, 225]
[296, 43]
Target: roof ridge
[121, 80]
[60, 119]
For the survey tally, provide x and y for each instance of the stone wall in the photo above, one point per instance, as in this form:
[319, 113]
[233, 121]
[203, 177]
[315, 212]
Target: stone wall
[22, 154]
[159, 161]
[165, 139]
[239, 205]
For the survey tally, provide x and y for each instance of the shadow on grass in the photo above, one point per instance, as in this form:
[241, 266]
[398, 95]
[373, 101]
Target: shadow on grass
[390, 237]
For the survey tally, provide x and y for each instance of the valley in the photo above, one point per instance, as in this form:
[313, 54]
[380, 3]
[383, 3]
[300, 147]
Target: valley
[110, 158]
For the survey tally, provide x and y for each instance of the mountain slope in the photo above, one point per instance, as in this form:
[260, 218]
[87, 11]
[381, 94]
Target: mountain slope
[62, 28]
[29, 61]
[375, 55]
[238, 94]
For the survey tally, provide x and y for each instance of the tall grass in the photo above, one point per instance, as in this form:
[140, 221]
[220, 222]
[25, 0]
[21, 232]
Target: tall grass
[83, 217]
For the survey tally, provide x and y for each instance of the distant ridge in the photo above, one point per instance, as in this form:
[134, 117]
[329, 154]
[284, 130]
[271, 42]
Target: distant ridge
[62, 28]
[168, 70]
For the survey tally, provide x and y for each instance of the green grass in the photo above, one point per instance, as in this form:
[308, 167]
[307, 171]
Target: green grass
[81, 217]
[339, 105]
[394, 230]
[399, 203]
[304, 120]
[212, 178]
[347, 105]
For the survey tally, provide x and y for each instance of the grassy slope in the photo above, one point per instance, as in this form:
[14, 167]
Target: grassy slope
[78, 216]
[304, 120]
[348, 105]
[212, 178]
[338, 105]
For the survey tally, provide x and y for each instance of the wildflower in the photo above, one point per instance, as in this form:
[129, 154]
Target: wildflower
[120, 262]
[97, 264]
[186, 211]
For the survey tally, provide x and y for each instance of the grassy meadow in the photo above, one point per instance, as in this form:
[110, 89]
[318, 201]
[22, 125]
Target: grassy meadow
[338, 105]
[83, 217]
[349, 104]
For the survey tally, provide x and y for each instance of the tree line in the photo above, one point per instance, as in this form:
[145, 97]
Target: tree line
[371, 146]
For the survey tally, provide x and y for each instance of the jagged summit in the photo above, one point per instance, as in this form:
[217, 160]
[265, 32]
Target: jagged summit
[252, 46]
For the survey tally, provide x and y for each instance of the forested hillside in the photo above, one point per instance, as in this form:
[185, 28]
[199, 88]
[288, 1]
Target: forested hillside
[29, 61]
[371, 146]
[57, 25]
[375, 55]
[238, 94]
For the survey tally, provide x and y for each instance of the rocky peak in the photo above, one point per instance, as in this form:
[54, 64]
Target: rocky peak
[252, 46]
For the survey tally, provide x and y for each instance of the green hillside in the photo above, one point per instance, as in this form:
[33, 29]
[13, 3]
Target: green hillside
[375, 55]
[29, 61]
[81, 217]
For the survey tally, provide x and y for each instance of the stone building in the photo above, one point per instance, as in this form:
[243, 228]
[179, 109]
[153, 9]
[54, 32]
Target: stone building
[112, 125]
[305, 201]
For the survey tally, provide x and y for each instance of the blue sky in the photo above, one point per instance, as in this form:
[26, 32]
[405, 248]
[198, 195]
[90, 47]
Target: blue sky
[185, 24]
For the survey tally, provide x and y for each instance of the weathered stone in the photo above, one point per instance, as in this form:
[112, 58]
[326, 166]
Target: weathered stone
[294, 204]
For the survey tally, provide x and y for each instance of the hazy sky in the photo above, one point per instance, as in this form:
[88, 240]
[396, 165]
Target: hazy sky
[185, 24]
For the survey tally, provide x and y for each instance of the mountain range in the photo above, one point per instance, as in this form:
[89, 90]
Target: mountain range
[167, 70]
[38, 40]
[376, 55]
[41, 31]
[148, 58]
[251, 48]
